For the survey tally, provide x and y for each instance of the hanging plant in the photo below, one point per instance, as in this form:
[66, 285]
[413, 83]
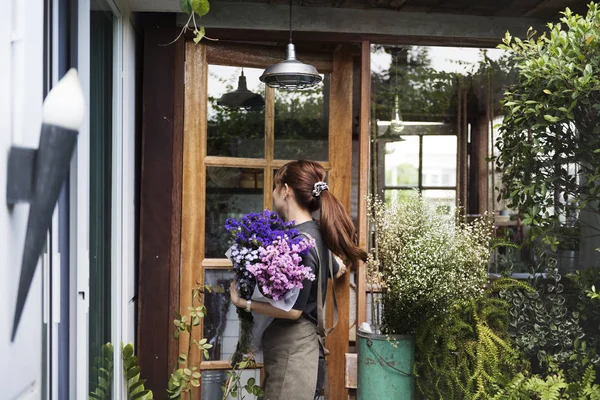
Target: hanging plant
[194, 8]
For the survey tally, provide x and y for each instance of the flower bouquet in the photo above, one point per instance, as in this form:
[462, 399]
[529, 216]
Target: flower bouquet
[267, 263]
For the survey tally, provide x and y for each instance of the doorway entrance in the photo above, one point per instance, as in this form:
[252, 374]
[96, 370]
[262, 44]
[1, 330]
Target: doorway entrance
[230, 155]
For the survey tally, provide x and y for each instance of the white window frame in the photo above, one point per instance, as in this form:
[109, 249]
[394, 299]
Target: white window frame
[123, 202]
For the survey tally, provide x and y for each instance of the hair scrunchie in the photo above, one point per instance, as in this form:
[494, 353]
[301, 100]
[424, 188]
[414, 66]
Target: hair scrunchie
[318, 188]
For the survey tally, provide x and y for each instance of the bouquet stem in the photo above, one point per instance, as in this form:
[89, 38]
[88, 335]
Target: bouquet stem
[243, 346]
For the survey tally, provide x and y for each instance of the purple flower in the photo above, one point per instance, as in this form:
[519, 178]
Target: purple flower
[267, 251]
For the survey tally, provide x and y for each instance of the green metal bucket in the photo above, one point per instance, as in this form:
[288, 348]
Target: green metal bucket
[385, 367]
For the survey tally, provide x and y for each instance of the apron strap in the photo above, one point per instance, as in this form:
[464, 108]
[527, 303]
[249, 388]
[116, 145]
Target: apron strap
[322, 331]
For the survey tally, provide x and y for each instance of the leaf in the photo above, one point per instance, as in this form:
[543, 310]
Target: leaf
[547, 91]
[200, 7]
[550, 118]
[186, 6]
[127, 351]
[140, 395]
[137, 385]
[199, 34]
[133, 372]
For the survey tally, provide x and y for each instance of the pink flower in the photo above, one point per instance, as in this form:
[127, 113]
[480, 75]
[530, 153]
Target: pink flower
[279, 268]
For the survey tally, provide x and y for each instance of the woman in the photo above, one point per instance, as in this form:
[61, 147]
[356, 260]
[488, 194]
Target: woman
[291, 343]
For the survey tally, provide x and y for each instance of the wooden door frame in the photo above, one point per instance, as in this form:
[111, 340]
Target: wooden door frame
[198, 57]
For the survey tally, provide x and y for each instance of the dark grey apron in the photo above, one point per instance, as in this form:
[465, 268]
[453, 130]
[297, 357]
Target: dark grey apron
[291, 350]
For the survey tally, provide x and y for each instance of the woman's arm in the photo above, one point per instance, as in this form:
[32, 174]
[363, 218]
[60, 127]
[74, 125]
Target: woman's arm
[262, 307]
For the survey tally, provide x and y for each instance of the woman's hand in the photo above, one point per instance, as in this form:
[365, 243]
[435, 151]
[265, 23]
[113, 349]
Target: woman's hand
[341, 269]
[236, 300]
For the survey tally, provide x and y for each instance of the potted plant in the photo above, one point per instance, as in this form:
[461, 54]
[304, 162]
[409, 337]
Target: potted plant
[426, 263]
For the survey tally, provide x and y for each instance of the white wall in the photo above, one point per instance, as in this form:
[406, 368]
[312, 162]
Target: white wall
[21, 91]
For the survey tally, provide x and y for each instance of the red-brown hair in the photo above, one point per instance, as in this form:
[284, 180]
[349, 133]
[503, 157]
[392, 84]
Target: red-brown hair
[337, 228]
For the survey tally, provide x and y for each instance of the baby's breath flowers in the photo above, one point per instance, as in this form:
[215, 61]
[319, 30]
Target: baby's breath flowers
[425, 261]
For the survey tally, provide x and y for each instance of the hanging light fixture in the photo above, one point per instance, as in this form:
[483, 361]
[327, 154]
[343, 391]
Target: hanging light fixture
[290, 73]
[397, 123]
[242, 97]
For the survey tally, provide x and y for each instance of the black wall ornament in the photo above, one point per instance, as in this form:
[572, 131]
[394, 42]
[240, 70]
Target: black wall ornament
[37, 175]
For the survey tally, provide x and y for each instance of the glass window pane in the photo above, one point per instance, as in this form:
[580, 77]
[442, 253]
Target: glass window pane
[221, 324]
[212, 382]
[236, 122]
[302, 123]
[402, 162]
[397, 194]
[101, 132]
[230, 192]
[439, 161]
[443, 200]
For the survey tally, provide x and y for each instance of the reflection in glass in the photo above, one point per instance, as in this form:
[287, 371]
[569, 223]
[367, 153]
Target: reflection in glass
[402, 162]
[439, 160]
[101, 133]
[212, 382]
[230, 193]
[234, 132]
[221, 324]
[443, 200]
[302, 123]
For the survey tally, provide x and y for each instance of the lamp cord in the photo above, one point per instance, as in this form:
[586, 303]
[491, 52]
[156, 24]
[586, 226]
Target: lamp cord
[291, 21]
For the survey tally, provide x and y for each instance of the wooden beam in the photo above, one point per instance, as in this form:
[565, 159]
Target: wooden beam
[158, 213]
[362, 24]
[194, 182]
[340, 182]
[363, 177]
[261, 56]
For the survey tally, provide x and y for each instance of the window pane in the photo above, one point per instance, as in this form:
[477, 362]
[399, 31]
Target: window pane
[101, 120]
[235, 127]
[402, 162]
[443, 200]
[302, 123]
[439, 161]
[230, 193]
[397, 195]
[221, 324]
[212, 382]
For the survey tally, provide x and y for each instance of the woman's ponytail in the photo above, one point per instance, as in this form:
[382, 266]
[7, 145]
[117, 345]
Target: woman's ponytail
[338, 230]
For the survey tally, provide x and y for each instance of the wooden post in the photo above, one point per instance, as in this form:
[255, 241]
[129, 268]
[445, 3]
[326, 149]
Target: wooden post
[159, 208]
[363, 177]
[194, 181]
[340, 181]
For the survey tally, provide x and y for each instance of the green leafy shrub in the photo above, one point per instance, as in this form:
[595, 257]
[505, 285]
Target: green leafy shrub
[468, 354]
[542, 326]
[549, 137]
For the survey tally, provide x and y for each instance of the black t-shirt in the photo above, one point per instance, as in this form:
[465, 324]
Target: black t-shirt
[307, 299]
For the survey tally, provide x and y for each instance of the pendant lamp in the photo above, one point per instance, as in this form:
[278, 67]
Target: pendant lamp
[242, 97]
[290, 73]
[396, 124]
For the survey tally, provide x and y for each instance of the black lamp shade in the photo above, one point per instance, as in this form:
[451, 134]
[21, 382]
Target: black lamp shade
[241, 97]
